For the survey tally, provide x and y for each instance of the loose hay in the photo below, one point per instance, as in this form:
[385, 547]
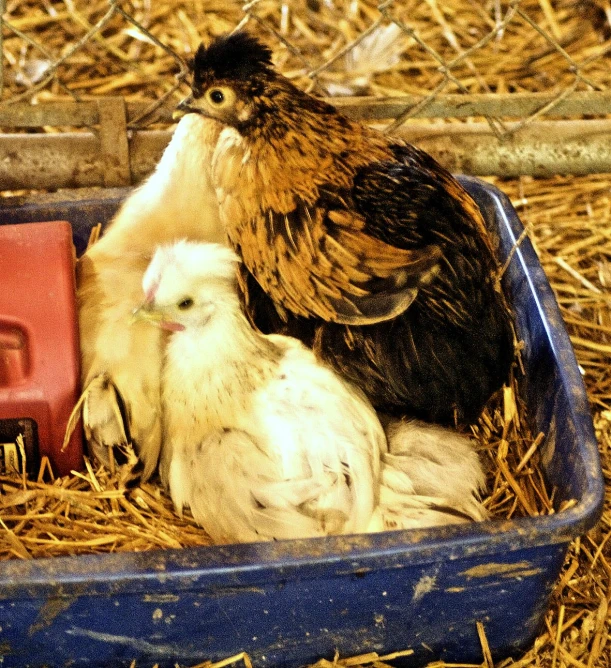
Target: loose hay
[570, 220]
[122, 60]
[89, 512]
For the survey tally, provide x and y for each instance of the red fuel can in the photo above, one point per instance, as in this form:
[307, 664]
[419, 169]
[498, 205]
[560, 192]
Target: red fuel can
[39, 348]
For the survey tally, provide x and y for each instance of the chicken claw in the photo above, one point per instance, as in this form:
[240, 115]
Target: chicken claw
[103, 419]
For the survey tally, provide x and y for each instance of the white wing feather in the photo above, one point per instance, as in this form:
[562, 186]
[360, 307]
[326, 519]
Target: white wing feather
[302, 461]
[313, 421]
[237, 494]
[431, 476]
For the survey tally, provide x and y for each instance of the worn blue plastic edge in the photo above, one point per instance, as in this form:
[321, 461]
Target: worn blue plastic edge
[181, 569]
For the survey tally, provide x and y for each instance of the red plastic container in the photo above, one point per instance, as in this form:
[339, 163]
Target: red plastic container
[39, 349]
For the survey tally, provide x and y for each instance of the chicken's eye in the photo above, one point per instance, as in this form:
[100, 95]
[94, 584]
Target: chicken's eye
[185, 304]
[217, 96]
[221, 97]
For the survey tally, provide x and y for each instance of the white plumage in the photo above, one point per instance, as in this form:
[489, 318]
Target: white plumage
[263, 442]
[177, 201]
[430, 475]
[295, 448]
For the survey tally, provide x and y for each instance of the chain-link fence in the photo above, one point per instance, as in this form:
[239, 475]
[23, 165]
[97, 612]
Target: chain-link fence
[506, 65]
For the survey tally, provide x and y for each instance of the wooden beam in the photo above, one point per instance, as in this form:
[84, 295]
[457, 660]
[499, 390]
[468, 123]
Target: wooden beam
[509, 105]
[544, 148]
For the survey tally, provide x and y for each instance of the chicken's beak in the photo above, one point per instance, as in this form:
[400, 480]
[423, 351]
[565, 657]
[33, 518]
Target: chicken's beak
[145, 312]
[183, 108]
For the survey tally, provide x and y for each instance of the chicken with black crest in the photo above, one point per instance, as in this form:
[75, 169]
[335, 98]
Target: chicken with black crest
[356, 242]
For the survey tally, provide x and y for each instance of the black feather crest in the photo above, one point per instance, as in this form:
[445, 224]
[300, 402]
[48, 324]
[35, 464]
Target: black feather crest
[234, 56]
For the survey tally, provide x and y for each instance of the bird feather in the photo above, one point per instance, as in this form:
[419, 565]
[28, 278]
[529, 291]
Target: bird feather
[432, 336]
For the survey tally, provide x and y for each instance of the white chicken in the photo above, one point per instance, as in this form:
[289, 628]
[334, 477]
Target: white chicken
[304, 445]
[430, 476]
[121, 366]
[264, 442]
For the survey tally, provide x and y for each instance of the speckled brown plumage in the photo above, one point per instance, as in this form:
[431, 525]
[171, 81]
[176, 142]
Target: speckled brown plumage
[357, 243]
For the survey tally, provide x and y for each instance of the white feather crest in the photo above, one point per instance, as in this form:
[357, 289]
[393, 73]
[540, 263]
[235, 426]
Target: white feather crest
[187, 260]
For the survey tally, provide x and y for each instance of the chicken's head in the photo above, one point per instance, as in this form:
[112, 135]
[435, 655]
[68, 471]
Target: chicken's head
[186, 283]
[234, 82]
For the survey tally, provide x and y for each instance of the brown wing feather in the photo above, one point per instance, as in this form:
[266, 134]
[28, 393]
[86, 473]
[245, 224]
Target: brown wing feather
[320, 263]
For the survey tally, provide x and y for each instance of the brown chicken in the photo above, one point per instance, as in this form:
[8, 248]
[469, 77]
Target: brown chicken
[355, 242]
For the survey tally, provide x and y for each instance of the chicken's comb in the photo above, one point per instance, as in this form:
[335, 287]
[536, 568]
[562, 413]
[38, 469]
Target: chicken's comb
[164, 256]
[232, 56]
[151, 291]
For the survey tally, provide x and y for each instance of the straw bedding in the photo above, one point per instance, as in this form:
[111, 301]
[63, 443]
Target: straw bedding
[568, 220]
[122, 60]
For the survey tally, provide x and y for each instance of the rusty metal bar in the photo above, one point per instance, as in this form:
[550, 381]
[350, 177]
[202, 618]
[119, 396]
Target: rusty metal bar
[68, 160]
[518, 105]
[25, 115]
[500, 105]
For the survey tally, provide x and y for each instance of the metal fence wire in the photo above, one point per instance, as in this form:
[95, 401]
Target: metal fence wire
[506, 63]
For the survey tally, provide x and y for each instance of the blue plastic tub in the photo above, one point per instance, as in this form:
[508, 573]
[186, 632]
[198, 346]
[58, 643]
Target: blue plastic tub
[293, 602]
